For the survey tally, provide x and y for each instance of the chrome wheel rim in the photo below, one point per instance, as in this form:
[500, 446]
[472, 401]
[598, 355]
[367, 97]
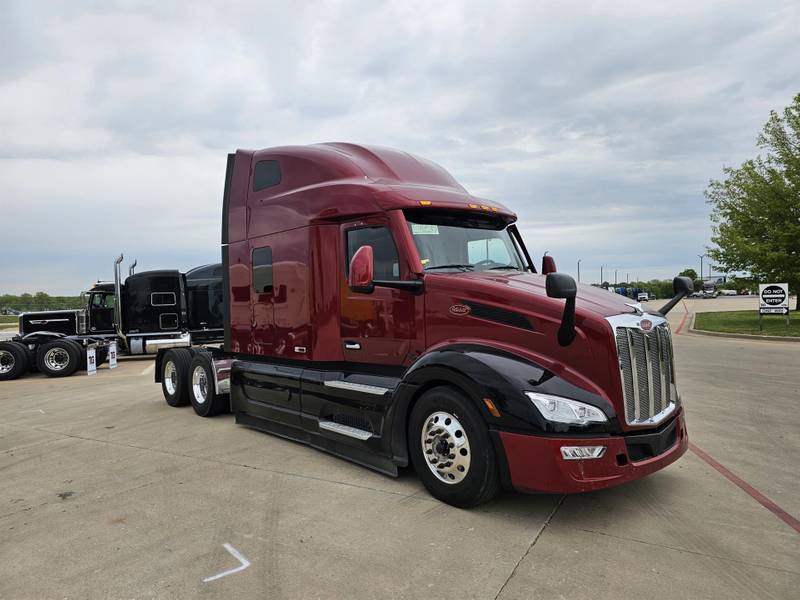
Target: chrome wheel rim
[6, 361]
[170, 377]
[199, 384]
[446, 447]
[56, 359]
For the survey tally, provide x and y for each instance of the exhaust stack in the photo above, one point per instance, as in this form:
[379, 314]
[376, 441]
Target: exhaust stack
[118, 300]
[132, 268]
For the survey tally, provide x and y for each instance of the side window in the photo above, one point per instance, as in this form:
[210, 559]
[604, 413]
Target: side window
[387, 264]
[262, 270]
[162, 299]
[266, 174]
[103, 300]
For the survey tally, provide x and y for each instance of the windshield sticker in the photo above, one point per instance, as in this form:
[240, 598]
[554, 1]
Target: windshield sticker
[424, 229]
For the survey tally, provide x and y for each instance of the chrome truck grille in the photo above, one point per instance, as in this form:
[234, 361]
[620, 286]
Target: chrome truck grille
[644, 349]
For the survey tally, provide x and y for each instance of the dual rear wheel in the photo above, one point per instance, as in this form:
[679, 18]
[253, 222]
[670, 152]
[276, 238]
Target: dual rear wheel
[189, 378]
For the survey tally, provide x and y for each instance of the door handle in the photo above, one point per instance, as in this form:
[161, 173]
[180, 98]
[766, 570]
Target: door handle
[352, 346]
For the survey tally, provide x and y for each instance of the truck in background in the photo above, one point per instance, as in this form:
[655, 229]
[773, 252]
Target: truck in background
[376, 310]
[148, 311]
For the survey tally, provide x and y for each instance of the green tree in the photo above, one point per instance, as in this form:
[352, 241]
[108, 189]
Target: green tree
[756, 207]
[690, 273]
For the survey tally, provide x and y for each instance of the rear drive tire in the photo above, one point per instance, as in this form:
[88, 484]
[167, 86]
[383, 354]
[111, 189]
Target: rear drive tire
[451, 450]
[174, 375]
[13, 360]
[58, 358]
[82, 350]
[205, 400]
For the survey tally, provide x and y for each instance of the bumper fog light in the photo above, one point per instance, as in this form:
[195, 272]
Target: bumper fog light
[582, 452]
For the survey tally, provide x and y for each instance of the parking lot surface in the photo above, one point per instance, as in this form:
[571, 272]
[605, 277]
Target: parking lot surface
[106, 492]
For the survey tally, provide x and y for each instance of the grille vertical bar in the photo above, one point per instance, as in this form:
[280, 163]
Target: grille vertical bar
[646, 371]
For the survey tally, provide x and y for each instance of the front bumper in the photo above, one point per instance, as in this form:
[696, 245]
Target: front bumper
[535, 463]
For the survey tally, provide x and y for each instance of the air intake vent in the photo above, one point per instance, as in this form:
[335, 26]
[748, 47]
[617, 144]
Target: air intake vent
[499, 315]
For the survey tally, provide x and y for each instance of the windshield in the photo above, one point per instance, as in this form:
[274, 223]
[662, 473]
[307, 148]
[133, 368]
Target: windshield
[447, 243]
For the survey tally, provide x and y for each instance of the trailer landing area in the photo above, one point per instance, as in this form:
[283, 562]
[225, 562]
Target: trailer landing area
[106, 492]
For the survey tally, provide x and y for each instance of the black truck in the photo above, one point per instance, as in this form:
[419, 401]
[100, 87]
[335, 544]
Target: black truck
[148, 311]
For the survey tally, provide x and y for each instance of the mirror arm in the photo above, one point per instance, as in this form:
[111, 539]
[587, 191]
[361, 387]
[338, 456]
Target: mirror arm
[566, 332]
[415, 286]
[671, 304]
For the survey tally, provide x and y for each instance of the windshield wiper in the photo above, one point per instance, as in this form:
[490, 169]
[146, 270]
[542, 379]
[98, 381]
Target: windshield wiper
[453, 266]
[503, 267]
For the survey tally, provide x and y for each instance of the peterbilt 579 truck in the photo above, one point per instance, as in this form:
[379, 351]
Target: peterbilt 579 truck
[376, 310]
[148, 311]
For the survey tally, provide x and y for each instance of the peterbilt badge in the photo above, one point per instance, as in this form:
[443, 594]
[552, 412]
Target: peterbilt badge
[646, 324]
[460, 309]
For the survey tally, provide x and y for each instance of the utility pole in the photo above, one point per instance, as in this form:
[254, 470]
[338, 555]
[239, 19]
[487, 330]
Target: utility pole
[628, 277]
[601, 275]
[579, 270]
[615, 278]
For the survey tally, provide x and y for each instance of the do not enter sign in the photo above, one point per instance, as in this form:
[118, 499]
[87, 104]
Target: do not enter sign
[773, 298]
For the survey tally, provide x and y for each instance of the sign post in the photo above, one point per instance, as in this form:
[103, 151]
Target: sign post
[91, 362]
[773, 299]
[112, 355]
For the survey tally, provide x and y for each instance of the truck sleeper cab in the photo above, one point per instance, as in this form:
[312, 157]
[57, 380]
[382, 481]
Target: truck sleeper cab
[376, 310]
[148, 311]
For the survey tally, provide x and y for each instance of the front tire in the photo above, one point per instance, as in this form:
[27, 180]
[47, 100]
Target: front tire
[174, 375]
[13, 360]
[58, 358]
[202, 393]
[451, 450]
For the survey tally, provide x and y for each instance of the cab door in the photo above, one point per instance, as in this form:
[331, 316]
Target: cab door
[384, 327]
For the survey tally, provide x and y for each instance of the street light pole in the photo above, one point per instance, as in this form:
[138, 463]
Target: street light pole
[601, 275]
[615, 278]
[701, 257]
[579, 270]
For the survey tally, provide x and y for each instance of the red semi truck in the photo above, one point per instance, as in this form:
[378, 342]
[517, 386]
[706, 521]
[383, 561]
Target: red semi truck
[376, 310]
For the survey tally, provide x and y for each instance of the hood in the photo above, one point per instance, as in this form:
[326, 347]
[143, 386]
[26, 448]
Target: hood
[518, 286]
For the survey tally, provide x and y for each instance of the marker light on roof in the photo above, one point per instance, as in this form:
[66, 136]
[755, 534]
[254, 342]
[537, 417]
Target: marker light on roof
[425, 203]
[472, 205]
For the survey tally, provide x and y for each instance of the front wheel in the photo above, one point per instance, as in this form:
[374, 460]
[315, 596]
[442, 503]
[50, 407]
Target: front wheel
[451, 449]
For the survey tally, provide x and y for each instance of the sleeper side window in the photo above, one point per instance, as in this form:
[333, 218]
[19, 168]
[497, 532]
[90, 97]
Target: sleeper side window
[262, 270]
[387, 263]
[163, 299]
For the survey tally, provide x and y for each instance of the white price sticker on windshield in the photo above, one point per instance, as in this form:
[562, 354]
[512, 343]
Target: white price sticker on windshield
[424, 229]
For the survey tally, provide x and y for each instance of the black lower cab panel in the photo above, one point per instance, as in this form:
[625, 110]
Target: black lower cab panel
[362, 457]
[345, 413]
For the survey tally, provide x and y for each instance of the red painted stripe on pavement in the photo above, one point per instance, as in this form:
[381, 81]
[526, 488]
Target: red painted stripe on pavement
[683, 320]
[748, 489]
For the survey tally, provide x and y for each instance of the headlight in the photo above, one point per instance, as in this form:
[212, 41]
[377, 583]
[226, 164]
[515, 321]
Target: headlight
[564, 410]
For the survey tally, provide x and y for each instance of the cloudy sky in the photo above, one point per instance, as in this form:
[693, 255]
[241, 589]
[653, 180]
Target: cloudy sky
[599, 123]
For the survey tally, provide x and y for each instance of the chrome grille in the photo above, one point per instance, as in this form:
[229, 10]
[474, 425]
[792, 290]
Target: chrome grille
[646, 368]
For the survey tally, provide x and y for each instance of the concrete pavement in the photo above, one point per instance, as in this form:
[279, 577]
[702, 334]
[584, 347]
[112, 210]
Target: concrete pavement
[106, 492]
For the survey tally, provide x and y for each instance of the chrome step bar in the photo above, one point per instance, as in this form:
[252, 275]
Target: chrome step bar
[352, 432]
